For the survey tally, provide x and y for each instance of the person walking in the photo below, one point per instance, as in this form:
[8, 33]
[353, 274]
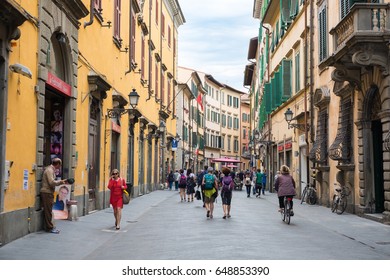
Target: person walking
[248, 183]
[200, 184]
[177, 177]
[210, 188]
[259, 182]
[116, 185]
[226, 192]
[190, 185]
[49, 183]
[264, 181]
[285, 186]
[170, 179]
[182, 185]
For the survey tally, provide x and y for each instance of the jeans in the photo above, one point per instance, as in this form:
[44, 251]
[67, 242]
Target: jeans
[263, 187]
[176, 185]
[248, 190]
[170, 185]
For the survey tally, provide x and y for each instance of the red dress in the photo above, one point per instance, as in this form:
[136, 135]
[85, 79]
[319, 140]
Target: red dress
[115, 186]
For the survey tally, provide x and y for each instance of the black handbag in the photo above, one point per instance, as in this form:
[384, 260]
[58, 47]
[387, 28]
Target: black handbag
[197, 195]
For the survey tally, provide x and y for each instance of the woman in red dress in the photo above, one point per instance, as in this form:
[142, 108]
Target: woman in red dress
[116, 185]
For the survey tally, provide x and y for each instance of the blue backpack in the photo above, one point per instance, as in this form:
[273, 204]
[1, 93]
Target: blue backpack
[208, 182]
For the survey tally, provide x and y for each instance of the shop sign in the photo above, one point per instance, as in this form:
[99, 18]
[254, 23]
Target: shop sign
[288, 145]
[280, 148]
[58, 84]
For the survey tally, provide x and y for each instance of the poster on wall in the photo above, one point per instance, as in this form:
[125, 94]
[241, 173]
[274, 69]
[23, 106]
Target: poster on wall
[56, 138]
[61, 197]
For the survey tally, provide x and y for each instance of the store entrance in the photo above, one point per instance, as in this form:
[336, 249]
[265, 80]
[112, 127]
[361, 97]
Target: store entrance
[53, 146]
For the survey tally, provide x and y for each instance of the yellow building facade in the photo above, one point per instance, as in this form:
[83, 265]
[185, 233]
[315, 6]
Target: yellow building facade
[67, 70]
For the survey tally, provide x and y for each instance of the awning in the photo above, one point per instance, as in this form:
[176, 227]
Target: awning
[226, 159]
[231, 165]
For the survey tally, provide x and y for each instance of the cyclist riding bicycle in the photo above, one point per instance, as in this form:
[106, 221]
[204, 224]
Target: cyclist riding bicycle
[285, 186]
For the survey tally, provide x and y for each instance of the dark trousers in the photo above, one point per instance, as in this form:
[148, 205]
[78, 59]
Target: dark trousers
[248, 189]
[281, 201]
[47, 200]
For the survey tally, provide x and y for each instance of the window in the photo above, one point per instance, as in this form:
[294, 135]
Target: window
[169, 36]
[223, 142]
[143, 58]
[169, 92]
[156, 80]
[229, 145]
[244, 133]
[235, 124]
[157, 12]
[235, 102]
[223, 120]
[235, 145]
[132, 36]
[162, 87]
[162, 25]
[297, 72]
[230, 122]
[230, 101]
[117, 19]
[344, 8]
[323, 33]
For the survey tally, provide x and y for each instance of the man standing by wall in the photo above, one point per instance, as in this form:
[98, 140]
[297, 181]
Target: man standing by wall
[49, 183]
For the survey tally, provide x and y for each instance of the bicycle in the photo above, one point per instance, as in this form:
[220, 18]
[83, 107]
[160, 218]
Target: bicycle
[309, 193]
[286, 211]
[339, 202]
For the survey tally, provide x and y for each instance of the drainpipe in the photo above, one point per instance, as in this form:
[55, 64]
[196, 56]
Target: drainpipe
[150, 54]
[91, 15]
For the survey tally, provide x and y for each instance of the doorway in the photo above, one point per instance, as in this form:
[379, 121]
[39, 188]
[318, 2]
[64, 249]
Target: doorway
[379, 193]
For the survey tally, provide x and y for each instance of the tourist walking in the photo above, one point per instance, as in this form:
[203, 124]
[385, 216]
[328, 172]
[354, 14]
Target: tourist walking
[177, 177]
[248, 183]
[259, 182]
[182, 185]
[210, 189]
[116, 185]
[264, 181]
[190, 185]
[170, 179]
[226, 192]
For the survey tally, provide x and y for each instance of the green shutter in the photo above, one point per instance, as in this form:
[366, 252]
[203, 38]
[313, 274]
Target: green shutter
[268, 97]
[278, 90]
[285, 13]
[286, 79]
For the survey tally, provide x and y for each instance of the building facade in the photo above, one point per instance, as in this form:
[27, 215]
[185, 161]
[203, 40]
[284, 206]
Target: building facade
[70, 66]
[332, 73]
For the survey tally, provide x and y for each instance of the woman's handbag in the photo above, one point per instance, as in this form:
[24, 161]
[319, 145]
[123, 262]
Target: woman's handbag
[125, 197]
[197, 195]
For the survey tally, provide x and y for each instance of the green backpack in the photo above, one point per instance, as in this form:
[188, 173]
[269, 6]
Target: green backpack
[209, 182]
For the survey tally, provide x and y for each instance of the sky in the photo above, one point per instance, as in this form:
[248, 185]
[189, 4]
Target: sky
[215, 38]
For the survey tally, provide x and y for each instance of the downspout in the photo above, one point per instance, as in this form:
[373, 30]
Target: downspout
[130, 24]
[150, 54]
[305, 95]
[91, 14]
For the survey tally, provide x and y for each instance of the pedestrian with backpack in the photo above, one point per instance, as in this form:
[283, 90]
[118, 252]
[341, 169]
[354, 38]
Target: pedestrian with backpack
[210, 188]
[182, 185]
[259, 182]
[190, 185]
[226, 192]
[170, 179]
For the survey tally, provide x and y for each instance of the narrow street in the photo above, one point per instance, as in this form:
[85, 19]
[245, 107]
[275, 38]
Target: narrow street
[158, 226]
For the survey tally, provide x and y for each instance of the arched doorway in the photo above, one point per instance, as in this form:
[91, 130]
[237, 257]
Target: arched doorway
[373, 152]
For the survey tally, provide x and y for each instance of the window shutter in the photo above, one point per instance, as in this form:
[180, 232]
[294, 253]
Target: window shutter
[268, 97]
[286, 79]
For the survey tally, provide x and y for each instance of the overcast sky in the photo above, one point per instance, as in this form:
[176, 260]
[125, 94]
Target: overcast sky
[215, 38]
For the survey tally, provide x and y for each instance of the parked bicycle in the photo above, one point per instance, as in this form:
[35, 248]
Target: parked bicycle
[287, 211]
[339, 202]
[309, 194]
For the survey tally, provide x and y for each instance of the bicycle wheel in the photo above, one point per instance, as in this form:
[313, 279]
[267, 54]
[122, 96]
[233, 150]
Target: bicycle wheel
[342, 205]
[304, 194]
[334, 203]
[312, 197]
[283, 214]
[287, 209]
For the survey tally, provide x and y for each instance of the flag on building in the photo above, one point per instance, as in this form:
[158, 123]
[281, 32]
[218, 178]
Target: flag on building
[199, 100]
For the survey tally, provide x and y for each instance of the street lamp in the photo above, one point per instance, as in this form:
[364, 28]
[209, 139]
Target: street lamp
[288, 116]
[117, 112]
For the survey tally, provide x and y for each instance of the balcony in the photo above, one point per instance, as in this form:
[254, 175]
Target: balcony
[363, 33]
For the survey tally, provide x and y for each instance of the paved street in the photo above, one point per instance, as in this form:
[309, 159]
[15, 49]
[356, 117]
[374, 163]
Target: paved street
[159, 227]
